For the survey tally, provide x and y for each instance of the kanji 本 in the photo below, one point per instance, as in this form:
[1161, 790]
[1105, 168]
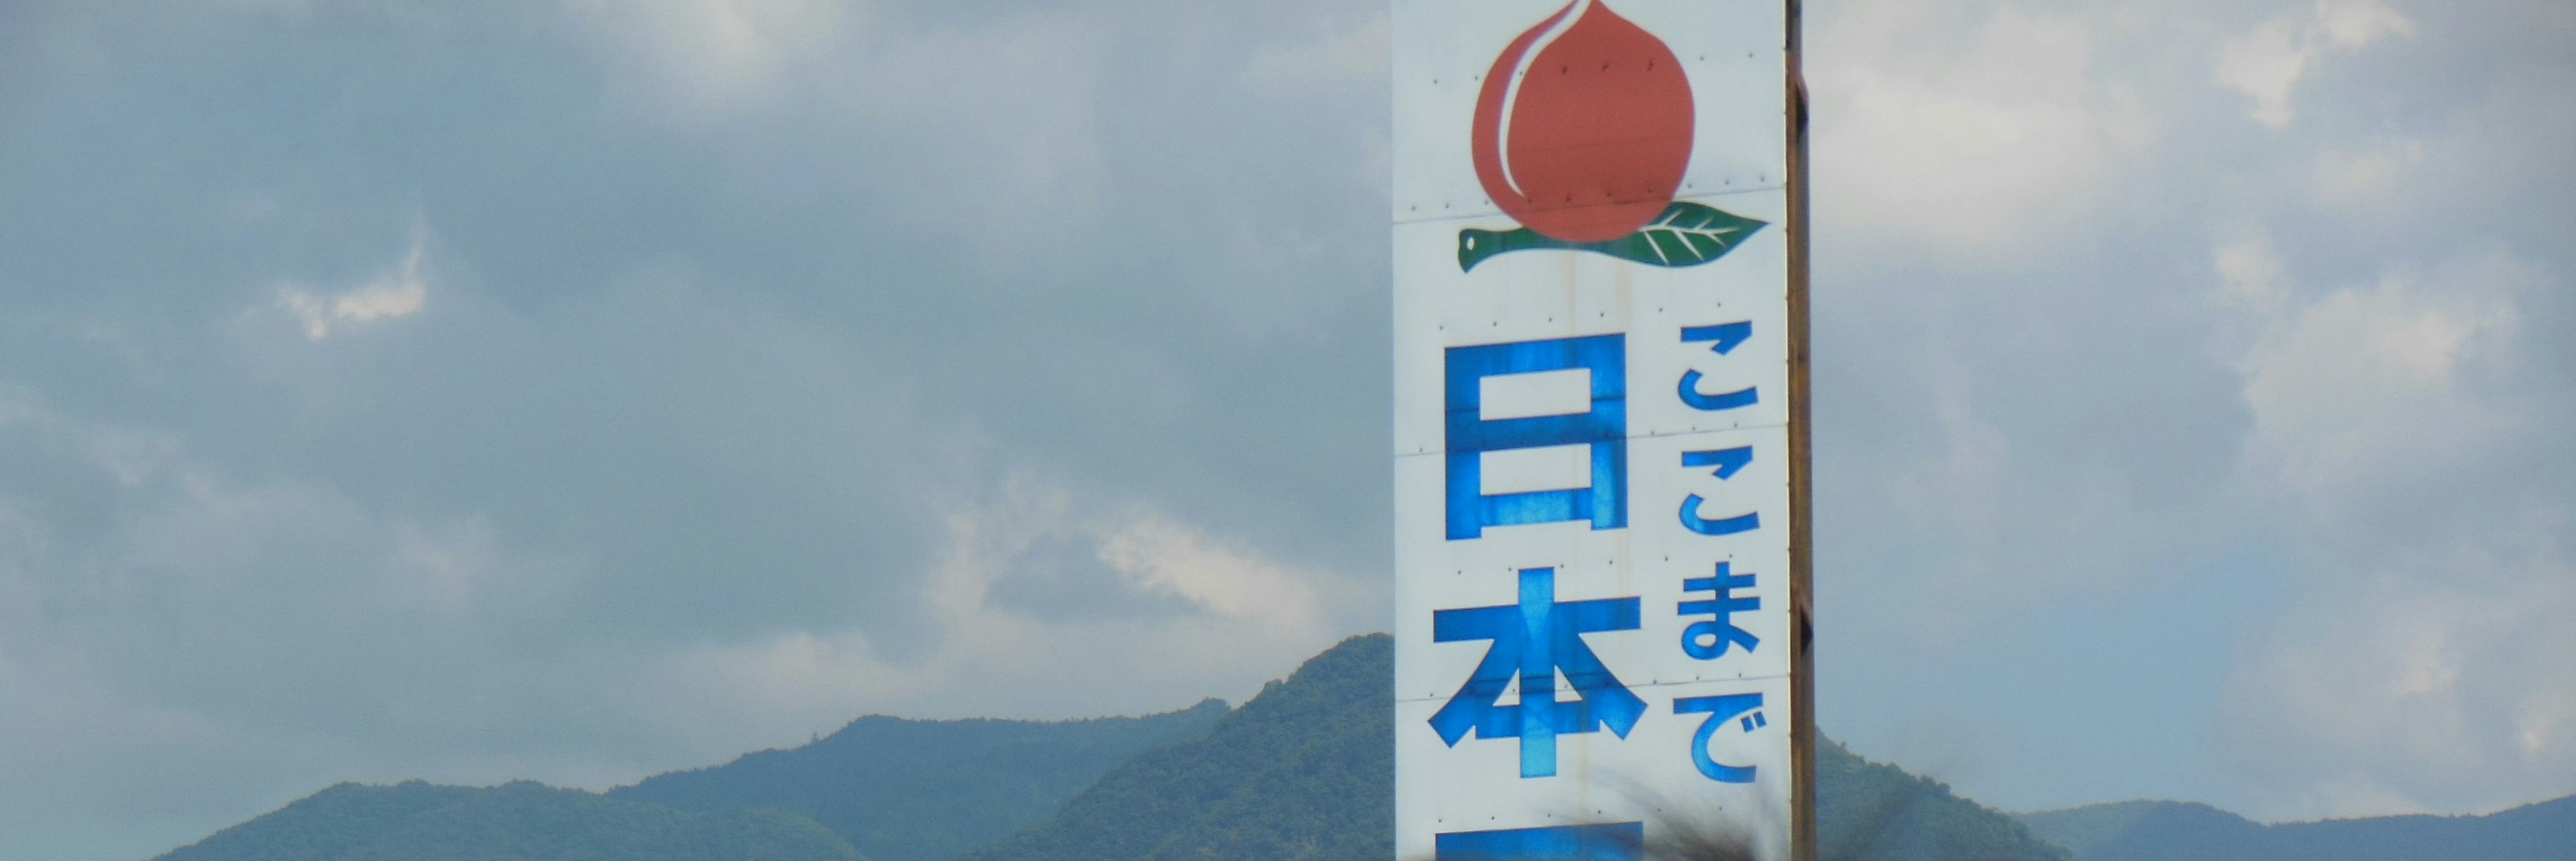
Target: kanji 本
[1533, 641]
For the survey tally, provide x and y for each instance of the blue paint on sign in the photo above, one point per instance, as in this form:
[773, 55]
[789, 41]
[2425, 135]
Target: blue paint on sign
[1604, 427]
[1719, 710]
[1707, 639]
[1691, 396]
[1609, 841]
[1534, 640]
[1728, 462]
[1724, 338]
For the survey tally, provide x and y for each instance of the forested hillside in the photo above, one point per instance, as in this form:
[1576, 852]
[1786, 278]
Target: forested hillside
[1867, 811]
[910, 790]
[1306, 770]
[1303, 772]
[2176, 831]
[519, 822]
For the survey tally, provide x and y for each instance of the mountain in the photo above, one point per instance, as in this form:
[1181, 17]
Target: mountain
[519, 822]
[912, 790]
[1306, 770]
[2177, 831]
[1868, 811]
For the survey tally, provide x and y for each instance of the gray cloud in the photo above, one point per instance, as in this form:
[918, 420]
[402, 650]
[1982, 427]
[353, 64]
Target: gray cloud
[765, 354]
[722, 370]
[2234, 362]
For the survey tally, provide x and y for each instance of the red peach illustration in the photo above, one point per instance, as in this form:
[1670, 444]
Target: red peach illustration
[1583, 127]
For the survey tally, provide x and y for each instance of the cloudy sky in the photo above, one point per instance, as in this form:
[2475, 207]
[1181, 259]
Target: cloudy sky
[577, 390]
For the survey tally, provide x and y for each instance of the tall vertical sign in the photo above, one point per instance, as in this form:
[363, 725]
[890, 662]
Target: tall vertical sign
[1600, 447]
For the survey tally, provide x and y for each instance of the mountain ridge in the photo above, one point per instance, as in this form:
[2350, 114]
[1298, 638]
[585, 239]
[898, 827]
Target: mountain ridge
[519, 821]
[1302, 772]
[900, 789]
[2192, 831]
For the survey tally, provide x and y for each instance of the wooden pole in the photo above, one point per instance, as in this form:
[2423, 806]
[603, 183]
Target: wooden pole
[1802, 547]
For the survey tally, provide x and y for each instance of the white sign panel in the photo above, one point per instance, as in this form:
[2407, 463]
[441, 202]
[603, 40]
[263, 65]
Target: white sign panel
[1593, 468]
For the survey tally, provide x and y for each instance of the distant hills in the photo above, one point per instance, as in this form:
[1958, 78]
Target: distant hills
[518, 822]
[2178, 831]
[1306, 770]
[908, 790]
[1302, 772]
[1868, 811]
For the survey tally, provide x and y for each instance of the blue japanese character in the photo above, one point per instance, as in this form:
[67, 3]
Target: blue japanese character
[1533, 640]
[1719, 709]
[1726, 336]
[1608, 841]
[1728, 462]
[1709, 638]
[1604, 428]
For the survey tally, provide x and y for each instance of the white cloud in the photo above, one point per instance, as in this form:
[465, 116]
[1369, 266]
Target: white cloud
[2364, 383]
[2367, 177]
[2437, 680]
[2351, 24]
[1972, 142]
[1249, 619]
[2265, 65]
[854, 98]
[398, 292]
[2421, 662]
[2268, 63]
[2252, 278]
[723, 53]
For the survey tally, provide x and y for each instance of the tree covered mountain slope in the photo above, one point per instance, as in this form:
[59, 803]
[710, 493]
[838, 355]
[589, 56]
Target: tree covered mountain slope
[1306, 770]
[1868, 811]
[2178, 831]
[518, 822]
[914, 790]
[1303, 772]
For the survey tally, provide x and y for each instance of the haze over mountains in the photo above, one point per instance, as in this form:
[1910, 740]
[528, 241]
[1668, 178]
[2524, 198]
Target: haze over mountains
[517, 822]
[2180, 831]
[1302, 771]
[904, 790]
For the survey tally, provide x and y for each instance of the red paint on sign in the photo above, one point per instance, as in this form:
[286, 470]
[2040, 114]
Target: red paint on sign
[1583, 129]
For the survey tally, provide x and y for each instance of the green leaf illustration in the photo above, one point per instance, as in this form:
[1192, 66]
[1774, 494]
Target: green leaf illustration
[1687, 234]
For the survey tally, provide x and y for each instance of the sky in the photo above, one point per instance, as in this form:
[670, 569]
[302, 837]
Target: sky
[578, 390]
